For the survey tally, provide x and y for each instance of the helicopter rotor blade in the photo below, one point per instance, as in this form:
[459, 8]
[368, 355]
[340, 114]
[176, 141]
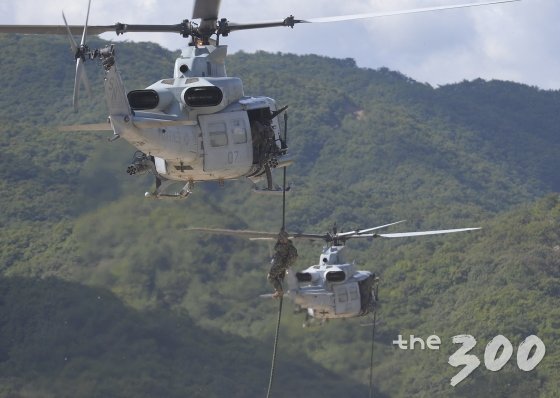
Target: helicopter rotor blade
[363, 231]
[57, 29]
[402, 12]
[73, 43]
[422, 233]
[311, 237]
[184, 28]
[419, 233]
[227, 27]
[80, 76]
[234, 232]
[84, 78]
[325, 237]
[80, 73]
[84, 33]
[257, 235]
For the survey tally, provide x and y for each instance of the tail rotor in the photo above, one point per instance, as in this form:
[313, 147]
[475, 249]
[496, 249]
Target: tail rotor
[80, 53]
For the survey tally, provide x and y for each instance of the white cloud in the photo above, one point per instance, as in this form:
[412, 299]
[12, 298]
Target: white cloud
[517, 41]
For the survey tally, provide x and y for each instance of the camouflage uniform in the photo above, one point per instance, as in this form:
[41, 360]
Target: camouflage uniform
[263, 141]
[367, 298]
[284, 257]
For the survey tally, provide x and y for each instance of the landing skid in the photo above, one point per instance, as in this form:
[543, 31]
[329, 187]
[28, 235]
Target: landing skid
[271, 188]
[267, 191]
[164, 190]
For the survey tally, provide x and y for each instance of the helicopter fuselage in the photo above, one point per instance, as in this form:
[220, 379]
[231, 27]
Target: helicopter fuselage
[198, 125]
[333, 288]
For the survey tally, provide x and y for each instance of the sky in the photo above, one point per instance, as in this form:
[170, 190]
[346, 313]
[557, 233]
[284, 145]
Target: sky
[514, 41]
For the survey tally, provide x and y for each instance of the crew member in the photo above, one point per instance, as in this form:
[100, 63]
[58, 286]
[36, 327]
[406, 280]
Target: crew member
[285, 255]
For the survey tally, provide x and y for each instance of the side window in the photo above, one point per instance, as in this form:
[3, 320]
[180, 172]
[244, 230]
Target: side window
[238, 132]
[343, 295]
[353, 293]
[218, 134]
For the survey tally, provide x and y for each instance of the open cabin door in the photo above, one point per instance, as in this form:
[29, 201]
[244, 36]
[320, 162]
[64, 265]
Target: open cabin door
[227, 141]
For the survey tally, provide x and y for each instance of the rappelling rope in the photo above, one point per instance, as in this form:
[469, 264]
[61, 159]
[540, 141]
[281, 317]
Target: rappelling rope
[282, 296]
[371, 358]
[284, 175]
[275, 347]
[372, 341]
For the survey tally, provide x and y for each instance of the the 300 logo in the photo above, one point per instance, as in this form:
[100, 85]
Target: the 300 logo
[529, 353]
[471, 362]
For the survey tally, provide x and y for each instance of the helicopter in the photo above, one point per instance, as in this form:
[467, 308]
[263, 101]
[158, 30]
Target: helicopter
[197, 125]
[333, 288]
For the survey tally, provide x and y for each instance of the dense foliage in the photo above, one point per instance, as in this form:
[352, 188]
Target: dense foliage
[103, 293]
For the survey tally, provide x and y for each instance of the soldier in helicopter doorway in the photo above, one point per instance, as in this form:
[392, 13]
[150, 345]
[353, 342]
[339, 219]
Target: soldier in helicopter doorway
[285, 255]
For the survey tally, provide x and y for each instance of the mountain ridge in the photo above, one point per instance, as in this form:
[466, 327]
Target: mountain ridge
[371, 146]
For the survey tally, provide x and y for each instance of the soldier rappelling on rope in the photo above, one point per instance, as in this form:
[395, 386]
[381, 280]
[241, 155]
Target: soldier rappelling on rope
[285, 255]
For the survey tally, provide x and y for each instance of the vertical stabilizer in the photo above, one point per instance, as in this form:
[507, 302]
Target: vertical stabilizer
[115, 93]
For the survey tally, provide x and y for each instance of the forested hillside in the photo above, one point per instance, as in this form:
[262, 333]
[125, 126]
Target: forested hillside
[105, 293]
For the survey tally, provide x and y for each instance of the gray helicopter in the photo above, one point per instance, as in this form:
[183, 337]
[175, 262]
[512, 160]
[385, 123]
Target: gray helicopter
[333, 288]
[197, 125]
